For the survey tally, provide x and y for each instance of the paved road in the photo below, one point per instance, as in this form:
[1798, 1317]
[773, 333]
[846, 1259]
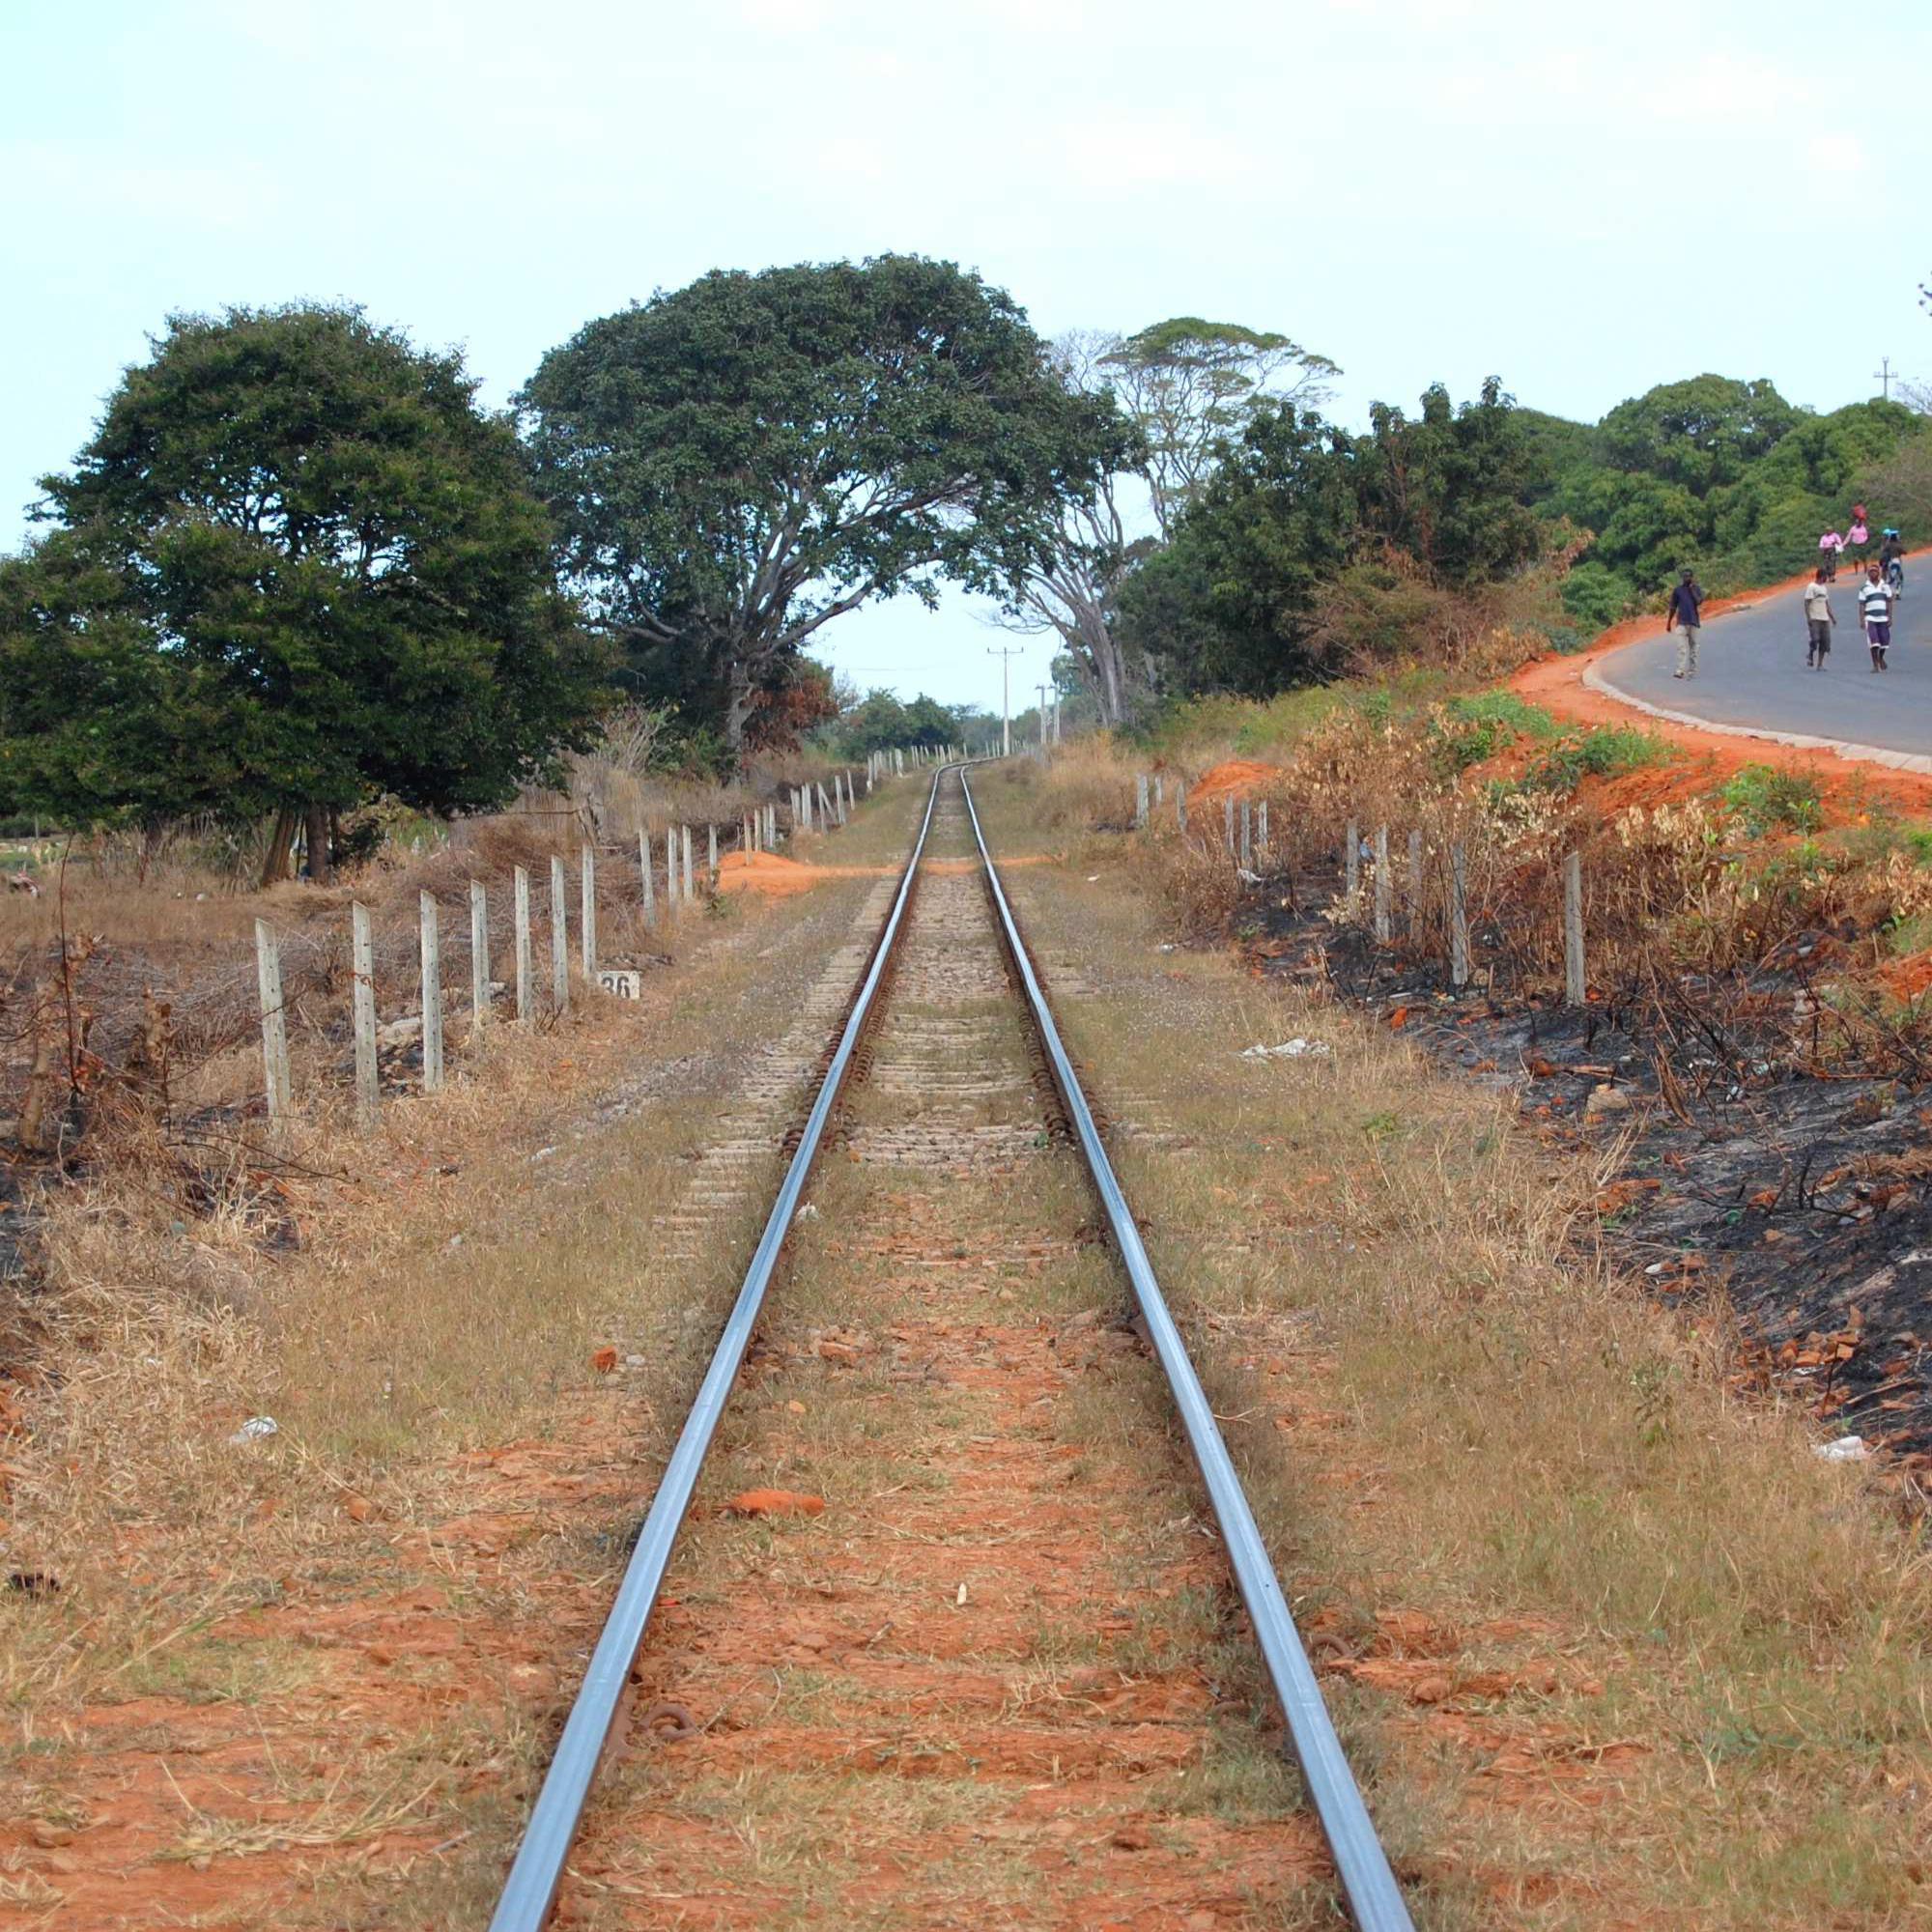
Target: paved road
[1750, 671]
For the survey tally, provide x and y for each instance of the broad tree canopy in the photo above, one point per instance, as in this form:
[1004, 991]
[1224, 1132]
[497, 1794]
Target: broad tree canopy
[736, 464]
[295, 567]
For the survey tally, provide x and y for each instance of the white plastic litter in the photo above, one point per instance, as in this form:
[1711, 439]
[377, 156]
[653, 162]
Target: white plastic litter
[1300, 1047]
[1846, 1449]
[807, 1214]
[255, 1429]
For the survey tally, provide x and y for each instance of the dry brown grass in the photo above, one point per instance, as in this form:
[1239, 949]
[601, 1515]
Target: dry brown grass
[1494, 1428]
[393, 1300]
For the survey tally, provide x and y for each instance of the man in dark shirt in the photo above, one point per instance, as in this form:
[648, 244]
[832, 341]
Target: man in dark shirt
[1686, 617]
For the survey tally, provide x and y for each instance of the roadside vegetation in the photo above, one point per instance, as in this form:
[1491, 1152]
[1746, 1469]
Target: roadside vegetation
[1615, 1646]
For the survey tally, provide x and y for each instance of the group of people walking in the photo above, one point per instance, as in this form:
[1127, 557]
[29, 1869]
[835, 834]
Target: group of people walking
[1877, 595]
[1882, 585]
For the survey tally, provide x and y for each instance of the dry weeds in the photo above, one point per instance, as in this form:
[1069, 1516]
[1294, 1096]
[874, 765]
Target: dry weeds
[1631, 1652]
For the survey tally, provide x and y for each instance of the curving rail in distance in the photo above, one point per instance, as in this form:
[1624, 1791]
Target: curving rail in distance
[1368, 1885]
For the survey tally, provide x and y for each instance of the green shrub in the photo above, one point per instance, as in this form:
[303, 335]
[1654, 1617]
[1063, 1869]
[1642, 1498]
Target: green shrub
[1769, 800]
[1470, 730]
[1606, 752]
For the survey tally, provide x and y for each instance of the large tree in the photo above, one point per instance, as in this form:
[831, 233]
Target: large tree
[1187, 389]
[735, 465]
[294, 568]
[1232, 603]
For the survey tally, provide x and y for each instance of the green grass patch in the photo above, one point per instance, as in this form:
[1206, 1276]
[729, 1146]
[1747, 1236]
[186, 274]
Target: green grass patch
[1604, 752]
[1769, 800]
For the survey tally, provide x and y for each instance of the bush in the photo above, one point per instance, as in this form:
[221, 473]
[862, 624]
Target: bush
[1471, 729]
[1769, 800]
[1607, 751]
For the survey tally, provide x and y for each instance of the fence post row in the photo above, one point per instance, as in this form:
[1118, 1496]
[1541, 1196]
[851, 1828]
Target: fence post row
[274, 1028]
[560, 937]
[431, 993]
[524, 994]
[1573, 930]
[362, 1007]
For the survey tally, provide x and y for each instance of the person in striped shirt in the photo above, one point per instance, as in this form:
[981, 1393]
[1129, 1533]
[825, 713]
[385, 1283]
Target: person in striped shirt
[1875, 612]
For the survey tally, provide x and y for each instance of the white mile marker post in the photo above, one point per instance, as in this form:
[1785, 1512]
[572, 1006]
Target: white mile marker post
[362, 1004]
[432, 994]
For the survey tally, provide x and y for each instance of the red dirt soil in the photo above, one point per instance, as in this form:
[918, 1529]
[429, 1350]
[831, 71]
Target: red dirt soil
[1240, 777]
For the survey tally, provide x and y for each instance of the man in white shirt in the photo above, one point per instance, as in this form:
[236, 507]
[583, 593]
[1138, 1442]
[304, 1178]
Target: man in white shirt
[1819, 617]
[1875, 612]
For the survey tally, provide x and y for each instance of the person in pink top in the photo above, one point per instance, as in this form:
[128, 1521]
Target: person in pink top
[1859, 535]
[1828, 547]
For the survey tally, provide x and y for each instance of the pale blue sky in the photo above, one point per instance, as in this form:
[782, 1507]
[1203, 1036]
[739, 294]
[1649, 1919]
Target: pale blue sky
[1586, 201]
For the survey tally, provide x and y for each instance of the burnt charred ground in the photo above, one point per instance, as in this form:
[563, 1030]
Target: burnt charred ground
[1741, 1177]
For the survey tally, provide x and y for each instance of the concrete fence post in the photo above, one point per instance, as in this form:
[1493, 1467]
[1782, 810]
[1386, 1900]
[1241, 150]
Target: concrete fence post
[1384, 884]
[1228, 822]
[362, 1007]
[711, 853]
[645, 871]
[560, 937]
[1351, 858]
[1574, 986]
[479, 954]
[587, 913]
[1415, 882]
[274, 1023]
[1458, 918]
[690, 879]
[523, 988]
[1140, 801]
[1262, 828]
[1160, 791]
[1180, 803]
[1247, 835]
[431, 993]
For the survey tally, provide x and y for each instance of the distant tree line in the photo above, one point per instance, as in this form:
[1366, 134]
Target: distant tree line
[298, 567]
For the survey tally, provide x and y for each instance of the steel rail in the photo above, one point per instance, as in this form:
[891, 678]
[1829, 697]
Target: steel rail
[530, 1891]
[1368, 1885]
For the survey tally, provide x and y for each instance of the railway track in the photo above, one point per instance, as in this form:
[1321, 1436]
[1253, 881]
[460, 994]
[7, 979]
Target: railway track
[938, 1071]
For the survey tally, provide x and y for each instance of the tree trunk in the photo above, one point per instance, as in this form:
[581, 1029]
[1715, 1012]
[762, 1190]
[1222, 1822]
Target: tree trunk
[737, 712]
[275, 861]
[320, 860]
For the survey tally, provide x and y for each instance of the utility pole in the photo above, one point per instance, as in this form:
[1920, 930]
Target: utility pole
[1884, 373]
[1006, 658]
